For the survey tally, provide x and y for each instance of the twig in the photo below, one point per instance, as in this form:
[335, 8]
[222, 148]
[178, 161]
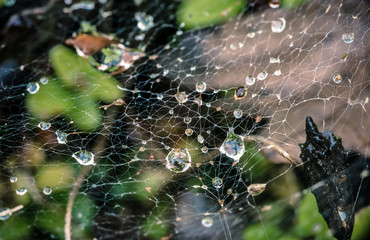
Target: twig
[272, 145]
[97, 151]
[11, 211]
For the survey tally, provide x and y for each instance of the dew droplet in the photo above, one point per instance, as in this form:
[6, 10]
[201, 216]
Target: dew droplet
[238, 113]
[9, 3]
[348, 37]
[170, 111]
[274, 60]
[232, 46]
[21, 191]
[44, 80]
[189, 132]
[44, 125]
[198, 101]
[337, 78]
[249, 80]
[13, 179]
[200, 87]
[33, 87]
[5, 213]
[240, 93]
[181, 97]
[84, 157]
[200, 139]
[277, 26]
[277, 72]
[187, 120]
[47, 190]
[233, 146]
[61, 137]
[217, 182]
[178, 160]
[207, 222]
[256, 189]
[204, 149]
[159, 96]
[262, 75]
[274, 3]
[144, 22]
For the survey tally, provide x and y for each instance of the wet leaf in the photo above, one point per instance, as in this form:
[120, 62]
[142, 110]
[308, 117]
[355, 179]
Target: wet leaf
[324, 164]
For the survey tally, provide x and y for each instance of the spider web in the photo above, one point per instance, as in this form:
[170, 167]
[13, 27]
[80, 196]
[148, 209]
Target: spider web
[293, 62]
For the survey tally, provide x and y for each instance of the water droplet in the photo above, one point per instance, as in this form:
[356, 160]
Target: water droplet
[187, 120]
[208, 104]
[44, 125]
[249, 80]
[181, 97]
[200, 139]
[84, 157]
[277, 72]
[178, 160]
[44, 80]
[198, 101]
[262, 75]
[337, 78]
[21, 191]
[33, 87]
[274, 60]
[277, 26]
[233, 146]
[144, 22]
[189, 132]
[238, 113]
[274, 3]
[348, 37]
[200, 87]
[85, 5]
[47, 190]
[217, 182]
[61, 137]
[240, 93]
[342, 215]
[207, 222]
[5, 213]
[256, 189]
[9, 3]
[13, 179]
[204, 149]
[165, 72]
[171, 111]
[232, 46]
[159, 96]
[251, 34]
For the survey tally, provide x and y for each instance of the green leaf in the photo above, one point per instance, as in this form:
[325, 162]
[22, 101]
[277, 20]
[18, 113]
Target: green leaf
[262, 232]
[14, 228]
[199, 14]
[361, 229]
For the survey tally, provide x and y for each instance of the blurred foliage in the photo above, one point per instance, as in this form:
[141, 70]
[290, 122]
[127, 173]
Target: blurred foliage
[200, 14]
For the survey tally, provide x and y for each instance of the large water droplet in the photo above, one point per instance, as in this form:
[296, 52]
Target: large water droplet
[238, 113]
[44, 125]
[189, 132]
[5, 213]
[207, 222]
[249, 80]
[200, 87]
[256, 189]
[9, 3]
[159, 96]
[61, 137]
[217, 182]
[178, 160]
[240, 93]
[337, 78]
[348, 37]
[204, 149]
[233, 146]
[277, 26]
[13, 179]
[144, 22]
[47, 190]
[84, 157]
[187, 120]
[181, 97]
[33, 87]
[21, 191]
[262, 75]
